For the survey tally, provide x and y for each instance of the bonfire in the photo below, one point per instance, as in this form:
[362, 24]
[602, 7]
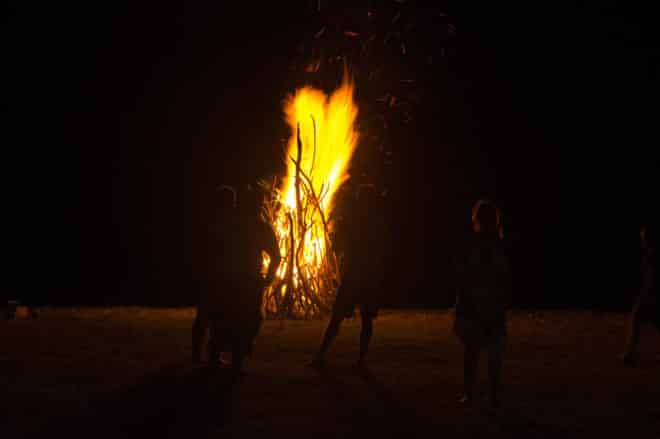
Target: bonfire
[299, 206]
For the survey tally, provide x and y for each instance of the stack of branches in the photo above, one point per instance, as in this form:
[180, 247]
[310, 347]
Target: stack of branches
[308, 276]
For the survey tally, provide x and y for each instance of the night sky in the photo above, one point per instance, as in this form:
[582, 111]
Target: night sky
[122, 120]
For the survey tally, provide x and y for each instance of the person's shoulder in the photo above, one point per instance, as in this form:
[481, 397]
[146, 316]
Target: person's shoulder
[264, 227]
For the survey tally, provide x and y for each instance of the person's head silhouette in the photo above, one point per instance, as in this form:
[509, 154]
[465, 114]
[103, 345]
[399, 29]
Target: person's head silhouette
[648, 236]
[486, 218]
[226, 196]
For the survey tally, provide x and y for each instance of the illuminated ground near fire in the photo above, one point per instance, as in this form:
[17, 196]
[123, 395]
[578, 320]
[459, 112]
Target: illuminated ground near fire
[125, 373]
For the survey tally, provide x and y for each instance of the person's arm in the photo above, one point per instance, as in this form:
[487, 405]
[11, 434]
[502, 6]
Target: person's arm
[339, 240]
[273, 250]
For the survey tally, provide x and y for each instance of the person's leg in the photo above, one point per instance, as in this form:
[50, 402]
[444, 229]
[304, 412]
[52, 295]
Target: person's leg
[366, 333]
[237, 356]
[199, 329]
[343, 306]
[495, 355]
[470, 365]
[632, 343]
[331, 333]
[329, 337]
[255, 315]
[214, 343]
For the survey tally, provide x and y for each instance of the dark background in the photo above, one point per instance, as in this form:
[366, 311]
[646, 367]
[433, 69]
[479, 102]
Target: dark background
[122, 119]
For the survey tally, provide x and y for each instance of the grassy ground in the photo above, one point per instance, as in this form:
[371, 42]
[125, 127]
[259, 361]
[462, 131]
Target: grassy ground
[124, 372]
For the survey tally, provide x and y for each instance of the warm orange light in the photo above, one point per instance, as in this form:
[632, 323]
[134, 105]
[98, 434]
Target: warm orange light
[325, 127]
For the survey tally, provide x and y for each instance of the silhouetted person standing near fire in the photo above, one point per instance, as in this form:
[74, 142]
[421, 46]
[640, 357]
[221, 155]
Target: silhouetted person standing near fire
[360, 239]
[223, 217]
[647, 306]
[483, 299]
[230, 303]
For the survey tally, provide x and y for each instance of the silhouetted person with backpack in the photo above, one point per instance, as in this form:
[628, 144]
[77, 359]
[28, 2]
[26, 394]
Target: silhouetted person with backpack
[360, 240]
[483, 299]
[647, 306]
[230, 302]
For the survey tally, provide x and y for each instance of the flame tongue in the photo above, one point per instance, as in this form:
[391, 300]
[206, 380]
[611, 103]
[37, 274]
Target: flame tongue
[330, 120]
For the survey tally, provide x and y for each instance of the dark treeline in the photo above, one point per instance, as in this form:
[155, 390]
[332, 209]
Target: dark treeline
[124, 122]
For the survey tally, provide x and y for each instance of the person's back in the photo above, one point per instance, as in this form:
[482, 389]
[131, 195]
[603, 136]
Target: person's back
[222, 239]
[483, 298]
[362, 238]
[236, 239]
[484, 293]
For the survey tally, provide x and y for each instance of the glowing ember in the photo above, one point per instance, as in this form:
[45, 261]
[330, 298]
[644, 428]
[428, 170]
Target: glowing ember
[323, 140]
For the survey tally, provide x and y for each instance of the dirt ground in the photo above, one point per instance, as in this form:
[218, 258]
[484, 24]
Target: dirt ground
[125, 372]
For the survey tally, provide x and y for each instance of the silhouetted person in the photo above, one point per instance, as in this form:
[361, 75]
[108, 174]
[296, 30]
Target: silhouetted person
[223, 217]
[647, 306]
[360, 239]
[230, 303]
[482, 300]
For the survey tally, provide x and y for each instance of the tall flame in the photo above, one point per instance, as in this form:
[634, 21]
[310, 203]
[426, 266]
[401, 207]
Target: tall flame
[328, 122]
[324, 128]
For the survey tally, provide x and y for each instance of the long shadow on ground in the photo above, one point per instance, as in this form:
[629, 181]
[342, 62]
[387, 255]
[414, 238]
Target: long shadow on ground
[366, 407]
[170, 402]
[404, 419]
